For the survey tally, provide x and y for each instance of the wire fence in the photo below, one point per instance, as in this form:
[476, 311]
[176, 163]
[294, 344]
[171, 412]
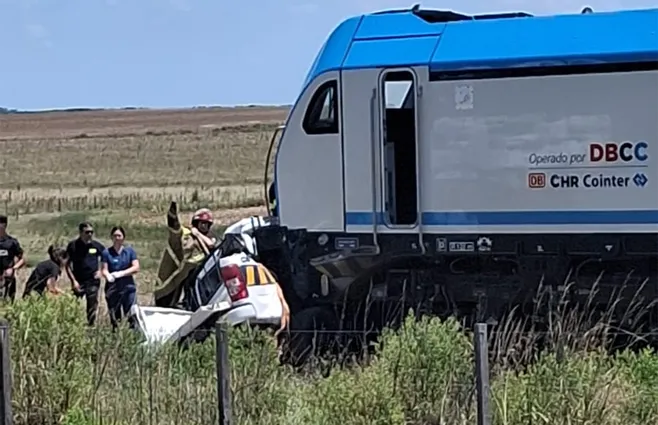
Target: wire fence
[419, 375]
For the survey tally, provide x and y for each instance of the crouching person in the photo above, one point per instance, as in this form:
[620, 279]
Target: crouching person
[46, 274]
[119, 265]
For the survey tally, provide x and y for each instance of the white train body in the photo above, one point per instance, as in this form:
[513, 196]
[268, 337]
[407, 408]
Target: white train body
[484, 145]
[488, 153]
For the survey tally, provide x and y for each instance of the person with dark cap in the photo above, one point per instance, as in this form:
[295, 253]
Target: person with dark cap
[83, 268]
[12, 258]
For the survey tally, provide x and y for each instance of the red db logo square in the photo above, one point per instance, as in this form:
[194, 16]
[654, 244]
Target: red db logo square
[536, 180]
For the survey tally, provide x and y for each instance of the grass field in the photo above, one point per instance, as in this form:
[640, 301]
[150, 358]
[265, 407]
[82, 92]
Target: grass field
[124, 167]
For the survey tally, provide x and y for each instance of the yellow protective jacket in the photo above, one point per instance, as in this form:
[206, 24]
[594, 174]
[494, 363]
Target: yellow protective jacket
[183, 253]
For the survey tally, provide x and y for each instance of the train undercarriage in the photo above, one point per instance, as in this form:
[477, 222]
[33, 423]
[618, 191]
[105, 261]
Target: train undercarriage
[600, 284]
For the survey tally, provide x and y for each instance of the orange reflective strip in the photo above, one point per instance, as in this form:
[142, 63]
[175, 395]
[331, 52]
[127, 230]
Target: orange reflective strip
[262, 276]
[265, 277]
[270, 277]
[250, 276]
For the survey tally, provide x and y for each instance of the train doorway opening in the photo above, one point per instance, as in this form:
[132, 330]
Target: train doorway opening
[400, 167]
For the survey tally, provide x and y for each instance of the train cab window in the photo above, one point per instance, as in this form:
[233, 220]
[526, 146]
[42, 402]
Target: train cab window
[322, 111]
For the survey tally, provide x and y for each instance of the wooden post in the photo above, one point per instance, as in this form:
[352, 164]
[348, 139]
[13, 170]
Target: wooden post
[482, 373]
[224, 399]
[6, 415]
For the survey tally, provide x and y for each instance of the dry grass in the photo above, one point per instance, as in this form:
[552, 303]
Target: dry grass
[124, 167]
[191, 160]
[105, 172]
[62, 125]
[154, 199]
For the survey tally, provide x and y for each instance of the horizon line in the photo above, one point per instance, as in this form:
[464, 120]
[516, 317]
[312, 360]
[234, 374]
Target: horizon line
[10, 111]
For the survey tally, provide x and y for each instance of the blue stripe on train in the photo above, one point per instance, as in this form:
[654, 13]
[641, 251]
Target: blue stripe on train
[489, 218]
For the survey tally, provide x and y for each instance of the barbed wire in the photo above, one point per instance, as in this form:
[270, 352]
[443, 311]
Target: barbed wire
[577, 333]
[490, 333]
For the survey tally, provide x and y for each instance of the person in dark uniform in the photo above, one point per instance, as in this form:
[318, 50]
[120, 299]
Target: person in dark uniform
[84, 268]
[45, 275]
[12, 258]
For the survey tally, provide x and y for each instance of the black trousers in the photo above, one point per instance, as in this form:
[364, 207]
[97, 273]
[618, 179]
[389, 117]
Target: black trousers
[89, 290]
[10, 288]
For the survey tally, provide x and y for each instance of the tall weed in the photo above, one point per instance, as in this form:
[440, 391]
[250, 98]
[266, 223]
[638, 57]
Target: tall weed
[420, 374]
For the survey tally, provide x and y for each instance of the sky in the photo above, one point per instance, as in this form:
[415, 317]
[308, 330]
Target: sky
[180, 53]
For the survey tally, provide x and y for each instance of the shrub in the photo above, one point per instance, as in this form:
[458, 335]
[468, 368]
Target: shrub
[51, 355]
[65, 373]
[430, 365]
[641, 372]
[583, 388]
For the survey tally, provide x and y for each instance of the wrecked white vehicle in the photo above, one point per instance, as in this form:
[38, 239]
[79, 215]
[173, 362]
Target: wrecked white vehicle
[226, 285]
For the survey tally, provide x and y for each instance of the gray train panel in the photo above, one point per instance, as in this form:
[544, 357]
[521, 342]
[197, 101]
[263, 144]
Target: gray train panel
[525, 155]
[361, 134]
[518, 157]
[538, 146]
[309, 165]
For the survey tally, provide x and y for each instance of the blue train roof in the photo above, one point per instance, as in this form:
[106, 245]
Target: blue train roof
[450, 41]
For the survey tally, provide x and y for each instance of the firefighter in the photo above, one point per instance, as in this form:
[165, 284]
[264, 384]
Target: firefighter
[202, 222]
[12, 258]
[183, 253]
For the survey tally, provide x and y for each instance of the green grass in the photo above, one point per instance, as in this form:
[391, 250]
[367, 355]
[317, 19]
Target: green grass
[148, 240]
[64, 373]
[422, 374]
[145, 232]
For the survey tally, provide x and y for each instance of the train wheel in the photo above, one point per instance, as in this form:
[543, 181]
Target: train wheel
[310, 333]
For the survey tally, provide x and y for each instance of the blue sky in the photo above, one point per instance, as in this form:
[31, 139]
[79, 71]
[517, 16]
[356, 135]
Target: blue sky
[177, 53]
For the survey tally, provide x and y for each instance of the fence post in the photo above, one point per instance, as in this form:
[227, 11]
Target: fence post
[482, 373]
[6, 415]
[224, 402]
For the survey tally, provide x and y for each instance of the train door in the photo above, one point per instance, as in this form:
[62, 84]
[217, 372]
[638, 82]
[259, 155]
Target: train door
[399, 142]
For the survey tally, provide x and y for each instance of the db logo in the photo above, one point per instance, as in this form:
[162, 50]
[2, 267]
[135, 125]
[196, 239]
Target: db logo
[536, 180]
